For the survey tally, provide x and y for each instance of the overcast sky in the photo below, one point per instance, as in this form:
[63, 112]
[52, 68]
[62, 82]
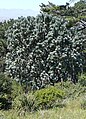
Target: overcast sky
[27, 4]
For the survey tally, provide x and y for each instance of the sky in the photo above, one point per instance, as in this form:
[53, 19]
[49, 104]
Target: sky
[16, 8]
[27, 4]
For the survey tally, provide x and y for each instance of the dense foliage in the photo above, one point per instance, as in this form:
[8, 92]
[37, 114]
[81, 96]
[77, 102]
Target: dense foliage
[5, 91]
[43, 51]
[3, 46]
[72, 13]
[49, 97]
[36, 52]
[9, 90]
[79, 9]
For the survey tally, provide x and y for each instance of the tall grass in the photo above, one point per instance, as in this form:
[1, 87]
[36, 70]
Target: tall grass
[71, 111]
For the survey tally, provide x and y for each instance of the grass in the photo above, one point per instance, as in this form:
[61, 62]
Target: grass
[71, 111]
[74, 105]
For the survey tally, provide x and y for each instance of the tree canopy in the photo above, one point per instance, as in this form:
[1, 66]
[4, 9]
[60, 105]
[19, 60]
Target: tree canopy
[43, 50]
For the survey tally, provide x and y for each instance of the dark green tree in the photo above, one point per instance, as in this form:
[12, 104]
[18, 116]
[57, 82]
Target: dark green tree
[71, 13]
[5, 91]
[43, 51]
[3, 46]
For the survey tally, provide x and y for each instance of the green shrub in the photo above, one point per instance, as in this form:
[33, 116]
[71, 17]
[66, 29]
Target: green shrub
[40, 99]
[68, 87]
[71, 90]
[47, 98]
[16, 89]
[5, 91]
[9, 90]
[25, 102]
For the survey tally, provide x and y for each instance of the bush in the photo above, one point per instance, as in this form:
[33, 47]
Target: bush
[71, 90]
[16, 89]
[40, 99]
[25, 102]
[9, 90]
[5, 91]
[47, 98]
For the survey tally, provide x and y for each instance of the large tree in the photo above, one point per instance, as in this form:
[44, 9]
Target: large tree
[42, 50]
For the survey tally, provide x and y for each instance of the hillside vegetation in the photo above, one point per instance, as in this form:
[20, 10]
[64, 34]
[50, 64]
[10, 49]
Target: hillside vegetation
[43, 64]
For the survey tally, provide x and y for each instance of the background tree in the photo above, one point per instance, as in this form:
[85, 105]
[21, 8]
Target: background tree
[43, 51]
[3, 46]
[71, 13]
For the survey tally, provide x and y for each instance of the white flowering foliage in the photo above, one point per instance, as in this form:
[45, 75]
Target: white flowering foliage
[43, 51]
